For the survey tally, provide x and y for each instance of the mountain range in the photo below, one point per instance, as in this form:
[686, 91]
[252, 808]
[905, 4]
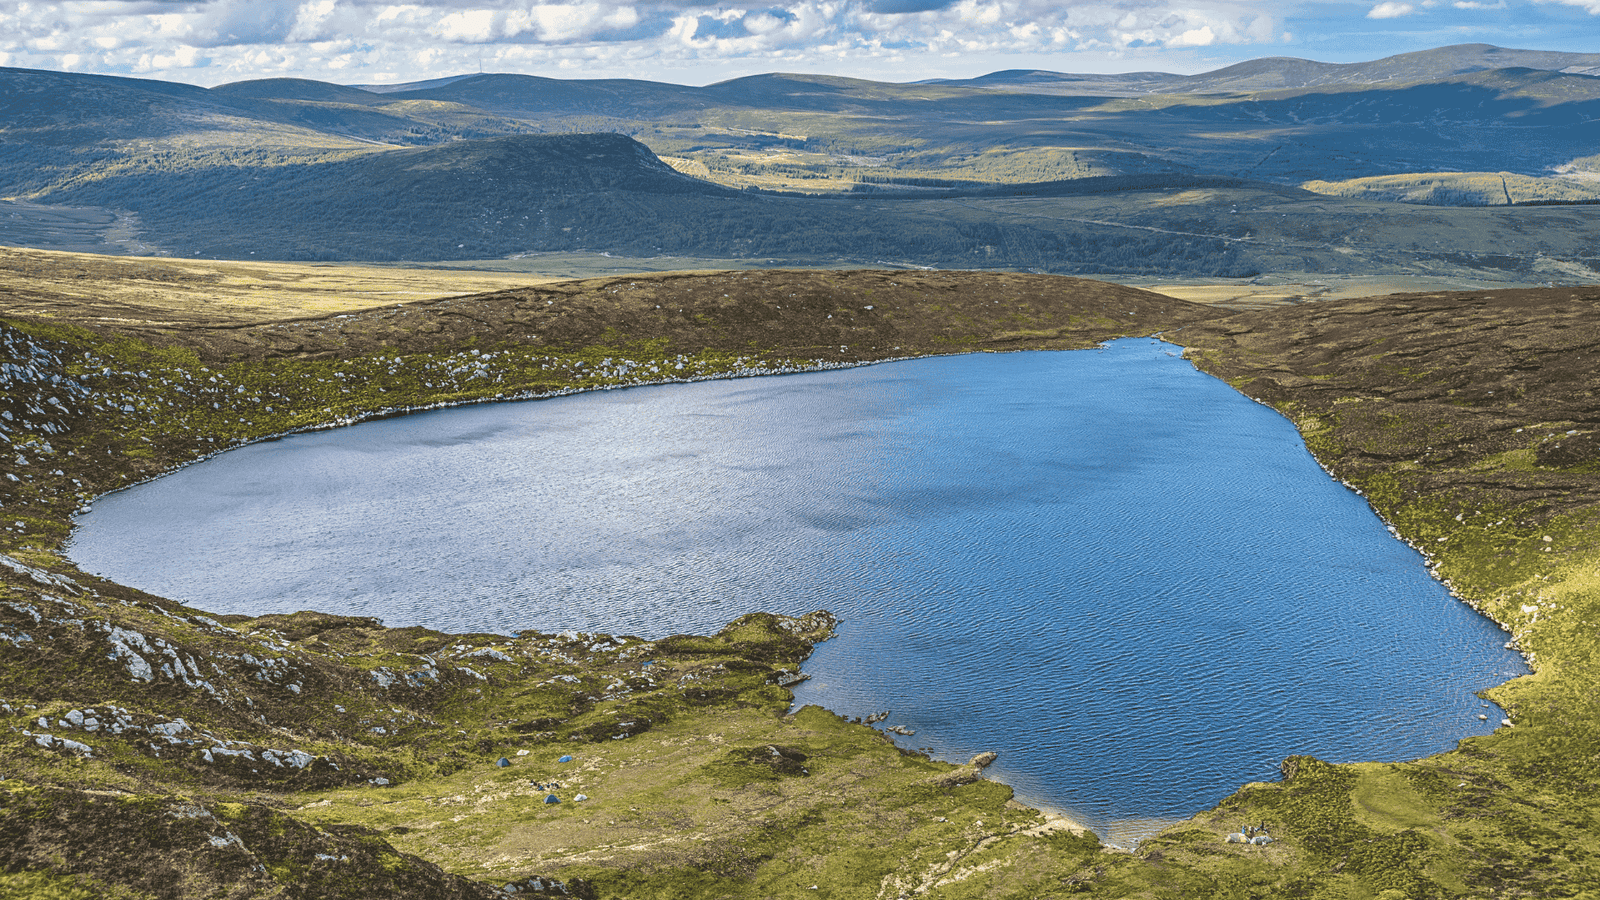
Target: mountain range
[1290, 73]
[997, 171]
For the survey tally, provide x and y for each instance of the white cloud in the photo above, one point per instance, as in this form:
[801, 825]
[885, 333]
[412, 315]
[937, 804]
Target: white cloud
[471, 26]
[1592, 7]
[211, 41]
[1038, 26]
[979, 12]
[1388, 10]
[1475, 4]
[310, 19]
[1194, 37]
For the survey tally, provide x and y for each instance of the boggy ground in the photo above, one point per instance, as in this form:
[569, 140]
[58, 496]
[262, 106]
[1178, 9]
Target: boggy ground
[153, 751]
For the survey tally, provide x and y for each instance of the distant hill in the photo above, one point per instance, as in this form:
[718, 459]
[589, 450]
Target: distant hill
[75, 112]
[533, 95]
[1525, 98]
[1463, 189]
[59, 127]
[297, 89]
[1040, 81]
[1291, 73]
[998, 171]
[410, 85]
[460, 199]
[1042, 76]
[65, 109]
[537, 193]
[1424, 65]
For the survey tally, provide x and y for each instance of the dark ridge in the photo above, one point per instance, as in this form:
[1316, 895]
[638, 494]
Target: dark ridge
[534, 94]
[1423, 65]
[412, 85]
[297, 89]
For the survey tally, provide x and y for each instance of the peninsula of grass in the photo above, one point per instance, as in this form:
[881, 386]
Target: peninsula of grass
[153, 750]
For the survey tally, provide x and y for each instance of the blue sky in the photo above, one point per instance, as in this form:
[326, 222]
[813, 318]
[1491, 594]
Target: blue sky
[211, 42]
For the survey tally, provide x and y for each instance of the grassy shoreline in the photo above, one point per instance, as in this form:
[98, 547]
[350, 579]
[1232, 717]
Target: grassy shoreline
[1392, 395]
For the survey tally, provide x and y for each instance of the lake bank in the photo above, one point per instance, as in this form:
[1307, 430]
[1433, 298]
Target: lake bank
[1106, 537]
[1493, 562]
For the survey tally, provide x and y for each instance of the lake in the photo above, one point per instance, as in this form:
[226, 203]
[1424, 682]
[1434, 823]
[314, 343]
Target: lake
[1129, 580]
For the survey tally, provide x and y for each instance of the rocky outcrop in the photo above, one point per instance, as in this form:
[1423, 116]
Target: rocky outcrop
[966, 774]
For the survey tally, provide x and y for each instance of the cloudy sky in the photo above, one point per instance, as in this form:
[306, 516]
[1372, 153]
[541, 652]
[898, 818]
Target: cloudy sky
[210, 42]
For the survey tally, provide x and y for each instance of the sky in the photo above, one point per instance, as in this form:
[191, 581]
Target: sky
[211, 42]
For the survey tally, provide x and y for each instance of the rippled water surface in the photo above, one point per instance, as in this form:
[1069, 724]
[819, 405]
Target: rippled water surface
[1129, 580]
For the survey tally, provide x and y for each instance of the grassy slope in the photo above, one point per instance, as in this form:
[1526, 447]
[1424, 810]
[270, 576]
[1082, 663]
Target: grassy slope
[1461, 189]
[84, 287]
[1393, 394]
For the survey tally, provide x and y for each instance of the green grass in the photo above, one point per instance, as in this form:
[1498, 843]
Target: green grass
[37, 885]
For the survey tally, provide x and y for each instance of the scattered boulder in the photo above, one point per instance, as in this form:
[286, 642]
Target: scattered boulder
[573, 889]
[780, 760]
[1569, 450]
[966, 774]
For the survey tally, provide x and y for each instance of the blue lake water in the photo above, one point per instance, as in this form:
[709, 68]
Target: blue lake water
[1133, 583]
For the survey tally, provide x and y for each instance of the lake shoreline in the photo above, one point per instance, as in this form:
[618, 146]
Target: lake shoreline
[1537, 592]
[1056, 819]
